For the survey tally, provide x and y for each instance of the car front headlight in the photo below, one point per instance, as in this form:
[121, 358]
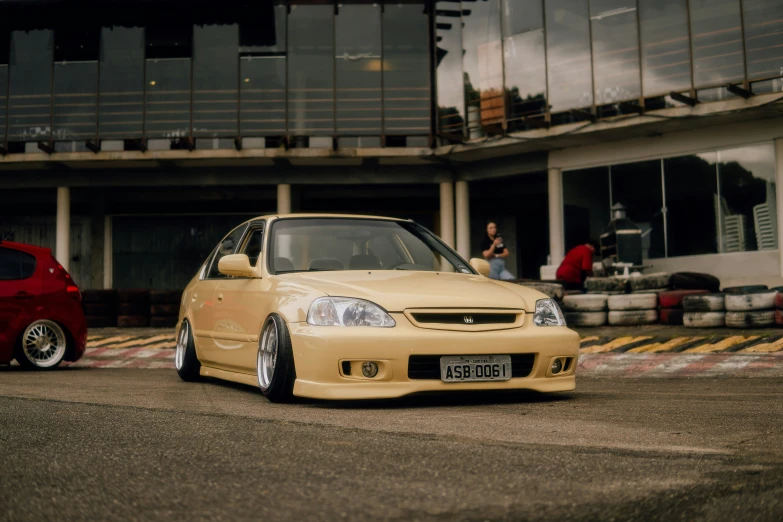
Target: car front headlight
[344, 311]
[548, 313]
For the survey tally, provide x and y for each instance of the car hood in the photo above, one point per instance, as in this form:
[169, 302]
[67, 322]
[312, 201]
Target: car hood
[398, 290]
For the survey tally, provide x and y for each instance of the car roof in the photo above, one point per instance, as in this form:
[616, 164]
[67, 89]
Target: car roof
[32, 249]
[324, 215]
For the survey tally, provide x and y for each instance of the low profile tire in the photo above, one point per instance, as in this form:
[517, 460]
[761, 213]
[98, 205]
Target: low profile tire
[753, 319]
[673, 298]
[633, 302]
[704, 303]
[655, 281]
[744, 289]
[185, 359]
[585, 303]
[275, 361]
[779, 317]
[671, 316]
[633, 317]
[695, 281]
[585, 318]
[605, 285]
[704, 319]
[761, 300]
[41, 346]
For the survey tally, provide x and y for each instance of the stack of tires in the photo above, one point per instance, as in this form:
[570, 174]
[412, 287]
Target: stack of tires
[650, 283]
[164, 308]
[100, 308]
[585, 310]
[605, 285]
[133, 309]
[750, 308]
[633, 309]
[704, 310]
[779, 308]
[671, 311]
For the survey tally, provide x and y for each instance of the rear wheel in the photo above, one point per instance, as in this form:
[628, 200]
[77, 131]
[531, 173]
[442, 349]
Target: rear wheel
[185, 360]
[42, 346]
[275, 361]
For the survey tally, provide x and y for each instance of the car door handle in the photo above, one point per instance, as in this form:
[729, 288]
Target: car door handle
[220, 298]
[193, 299]
[23, 295]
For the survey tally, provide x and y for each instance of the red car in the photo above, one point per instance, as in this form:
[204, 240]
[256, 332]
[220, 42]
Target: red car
[41, 315]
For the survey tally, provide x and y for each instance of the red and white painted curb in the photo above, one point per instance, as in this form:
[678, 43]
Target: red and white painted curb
[636, 365]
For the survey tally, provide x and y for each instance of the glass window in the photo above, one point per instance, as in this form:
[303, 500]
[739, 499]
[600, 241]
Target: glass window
[448, 60]
[524, 60]
[121, 110]
[215, 80]
[586, 204]
[168, 63]
[666, 52]
[30, 109]
[226, 247]
[568, 55]
[3, 99]
[263, 75]
[15, 265]
[311, 70]
[638, 187]
[748, 210]
[763, 38]
[358, 68]
[483, 67]
[615, 51]
[406, 69]
[716, 33]
[254, 245]
[75, 100]
[691, 210]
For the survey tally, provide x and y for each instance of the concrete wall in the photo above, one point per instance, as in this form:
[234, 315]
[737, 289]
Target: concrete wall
[735, 269]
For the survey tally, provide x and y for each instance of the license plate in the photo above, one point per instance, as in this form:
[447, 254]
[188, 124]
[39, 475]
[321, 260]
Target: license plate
[472, 368]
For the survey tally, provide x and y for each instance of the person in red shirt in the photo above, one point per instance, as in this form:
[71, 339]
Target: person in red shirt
[577, 265]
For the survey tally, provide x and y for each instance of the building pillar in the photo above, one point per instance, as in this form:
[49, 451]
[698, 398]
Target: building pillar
[556, 230]
[108, 250]
[63, 228]
[463, 218]
[447, 212]
[779, 196]
[284, 198]
[97, 236]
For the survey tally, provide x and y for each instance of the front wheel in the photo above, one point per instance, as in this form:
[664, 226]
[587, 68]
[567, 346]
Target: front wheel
[275, 361]
[185, 360]
[42, 346]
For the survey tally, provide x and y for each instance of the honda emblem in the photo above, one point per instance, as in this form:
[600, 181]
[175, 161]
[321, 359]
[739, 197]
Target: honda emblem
[468, 319]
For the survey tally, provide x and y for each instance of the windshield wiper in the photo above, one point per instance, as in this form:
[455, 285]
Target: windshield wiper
[277, 272]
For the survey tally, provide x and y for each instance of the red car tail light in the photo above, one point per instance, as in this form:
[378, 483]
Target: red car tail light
[71, 288]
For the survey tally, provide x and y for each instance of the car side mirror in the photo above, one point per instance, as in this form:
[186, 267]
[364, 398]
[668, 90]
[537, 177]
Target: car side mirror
[237, 265]
[481, 266]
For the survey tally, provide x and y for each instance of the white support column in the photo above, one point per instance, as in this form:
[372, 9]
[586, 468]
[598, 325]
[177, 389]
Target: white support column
[63, 227]
[463, 219]
[447, 212]
[108, 250]
[284, 198]
[556, 230]
[779, 195]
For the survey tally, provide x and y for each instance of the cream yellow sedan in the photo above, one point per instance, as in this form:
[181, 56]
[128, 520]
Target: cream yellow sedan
[359, 307]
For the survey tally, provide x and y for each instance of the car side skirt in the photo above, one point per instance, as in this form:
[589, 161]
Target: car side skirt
[251, 379]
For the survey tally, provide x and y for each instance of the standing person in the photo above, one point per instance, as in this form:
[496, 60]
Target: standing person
[577, 265]
[494, 251]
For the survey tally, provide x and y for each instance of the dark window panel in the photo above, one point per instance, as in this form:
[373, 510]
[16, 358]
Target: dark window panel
[172, 39]
[3, 100]
[691, 197]
[358, 68]
[767, 86]
[77, 43]
[763, 38]
[215, 80]
[263, 33]
[448, 62]
[406, 75]
[311, 70]
[586, 204]
[524, 60]
[167, 98]
[638, 187]
[615, 51]
[75, 101]
[666, 52]
[30, 108]
[568, 55]
[716, 42]
[483, 67]
[121, 109]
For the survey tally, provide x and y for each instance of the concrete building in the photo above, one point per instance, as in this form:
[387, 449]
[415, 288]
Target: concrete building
[132, 139]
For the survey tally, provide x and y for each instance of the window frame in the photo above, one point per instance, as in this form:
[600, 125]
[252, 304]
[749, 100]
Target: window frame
[252, 227]
[217, 249]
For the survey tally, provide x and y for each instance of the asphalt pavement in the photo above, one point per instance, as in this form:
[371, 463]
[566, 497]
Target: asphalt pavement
[131, 444]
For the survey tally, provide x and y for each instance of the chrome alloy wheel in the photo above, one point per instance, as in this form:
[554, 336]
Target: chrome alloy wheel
[182, 345]
[43, 343]
[267, 356]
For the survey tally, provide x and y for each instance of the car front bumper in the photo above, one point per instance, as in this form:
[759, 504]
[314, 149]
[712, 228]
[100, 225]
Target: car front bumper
[320, 351]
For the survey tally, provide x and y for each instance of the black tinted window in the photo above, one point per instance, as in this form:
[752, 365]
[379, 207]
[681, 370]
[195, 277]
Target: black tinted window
[253, 245]
[226, 247]
[15, 265]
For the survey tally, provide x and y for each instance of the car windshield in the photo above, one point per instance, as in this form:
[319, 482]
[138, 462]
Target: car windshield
[319, 244]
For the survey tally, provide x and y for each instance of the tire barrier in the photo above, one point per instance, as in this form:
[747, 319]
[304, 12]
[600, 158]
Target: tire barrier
[585, 303]
[695, 281]
[584, 318]
[704, 303]
[779, 317]
[671, 316]
[630, 302]
[650, 282]
[100, 308]
[134, 308]
[164, 308]
[605, 285]
[759, 300]
[744, 289]
[633, 317]
[704, 319]
[779, 300]
[750, 319]
[673, 298]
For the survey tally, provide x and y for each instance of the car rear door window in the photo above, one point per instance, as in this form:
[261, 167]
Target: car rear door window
[15, 265]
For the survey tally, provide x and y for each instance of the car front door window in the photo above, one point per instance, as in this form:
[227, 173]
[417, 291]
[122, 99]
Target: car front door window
[225, 248]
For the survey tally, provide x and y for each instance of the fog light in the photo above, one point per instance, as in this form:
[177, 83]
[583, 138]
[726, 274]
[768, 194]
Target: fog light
[369, 369]
[557, 365]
